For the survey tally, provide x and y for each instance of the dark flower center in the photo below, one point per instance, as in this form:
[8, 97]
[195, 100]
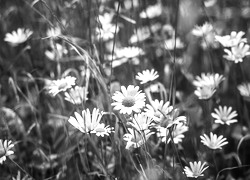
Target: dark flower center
[128, 101]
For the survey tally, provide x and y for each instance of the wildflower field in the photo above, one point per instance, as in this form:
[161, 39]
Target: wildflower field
[124, 89]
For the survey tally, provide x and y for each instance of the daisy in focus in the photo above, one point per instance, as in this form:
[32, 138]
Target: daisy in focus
[195, 170]
[128, 100]
[90, 123]
[5, 149]
[234, 39]
[147, 76]
[141, 122]
[177, 133]
[237, 53]
[76, 95]
[18, 37]
[136, 139]
[224, 115]
[244, 90]
[60, 85]
[213, 142]
[156, 109]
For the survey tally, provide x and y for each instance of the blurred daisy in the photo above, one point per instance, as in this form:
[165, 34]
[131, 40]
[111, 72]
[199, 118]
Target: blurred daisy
[140, 35]
[54, 32]
[18, 37]
[224, 115]
[196, 169]
[156, 109]
[76, 95]
[60, 85]
[237, 53]
[209, 80]
[244, 89]
[205, 92]
[135, 139]
[129, 100]
[213, 142]
[203, 30]
[90, 123]
[172, 118]
[56, 52]
[152, 11]
[177, 133]
[5, 149]
[234, 39]
[129, 52]
[147, 76]
[170, 44]
[209, 3]
[141, 122]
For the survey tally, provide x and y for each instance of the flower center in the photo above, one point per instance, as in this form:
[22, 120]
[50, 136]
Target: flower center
[128, 101]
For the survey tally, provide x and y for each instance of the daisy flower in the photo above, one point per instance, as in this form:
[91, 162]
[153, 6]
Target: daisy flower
[177, 133]
[237, 53]
[129, 100]
[213, 142]
[54, 32]
[140, 35]
[136, 139]
[203, 30]
[209, 3]
[76, 95]
[147, 76]
[195, 170]
[224, 115]
[60, 85]
[141, 122]
[152, 11]
[156, 109]
[170, 44]
[5, 149]
[209, 79]
[231, 40]
[18, 37]
[129, 52]
[244, 89]
[57, 51]
[90, 123]
[205, 92]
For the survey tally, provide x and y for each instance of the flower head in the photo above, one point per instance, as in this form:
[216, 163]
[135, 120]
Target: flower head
[156, 109]
[205, 92]
[152, 11]
[90, 123]
[172, 43]
[129, 52]
[60, 85]
[244, 89]
[129, 100]
[5, 149]
[76, 95]
[224, 115]
[18, 37]
[196, 169]
[237, 53]
[57, 51]
[141, 122]
[213, 142]
[135, 139]
[177, 133]
[234, 39]
[147, 76]
[54, 32]
[203, 30]
[209, 79]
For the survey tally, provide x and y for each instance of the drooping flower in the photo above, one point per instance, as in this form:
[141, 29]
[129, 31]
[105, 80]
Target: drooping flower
[5, 149]
[209, 79]
[205, 92]
[195, 170]
[177, 133]
[90, 123]
[244, 89]
[135, 138]
[224, 115]
[234, 39]
[141, 122]
[213, 142]
[18, 37]
[237, 53]
[147, 76]
[76, 95]
[60, 85]
[152, 11]
[156, 109]
[129, 100]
